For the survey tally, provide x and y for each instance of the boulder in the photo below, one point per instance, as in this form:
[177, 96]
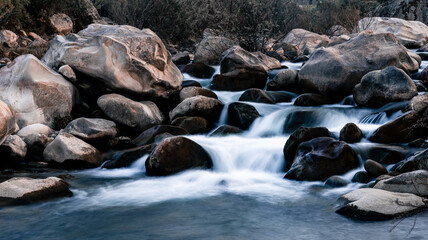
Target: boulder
[35, 92]
[8, 38]
[70, 152]
[256, 95]
[361, 177]
[36, 137]
[387, 154]
[418, 161]
[334, 71]
[7, 121]
[424, 76]
[374, 169]
[198, 70]
[241, 115]
[209, 50]
[404, 9]
[189, 92]
[61, 23]
[95, 131]
[138, 115]
[380, 87]
[336, 182]
[303, 117]
[239, 80]
[226, 130]
[418, 103]
[193, 125]
[120, 58]
[306, 41]
[127, 157]
[375, 204]
[149, 135]
[281, 96]
[181, 58]
[176, 154]
[87, 14]
[288, 51]
[351, 133]
[311, 99]
[237, 58]
[302, 134]
[415, 182]
[68, 73]
[22, 190]
[320, 158]
[201, 106]
[190, 83]
[285, 80]
[412, 34]
[13, 150]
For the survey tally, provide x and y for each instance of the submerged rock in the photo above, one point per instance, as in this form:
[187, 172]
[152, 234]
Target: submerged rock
[226, 130]
[335, 182]
[412, 182]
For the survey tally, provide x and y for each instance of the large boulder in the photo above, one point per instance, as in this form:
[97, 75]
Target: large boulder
[380, 87]
[241, 115]
[209, 50]
[306, 41]
[8, 38]
[412, 34]
[61, 23]
[418, 161]
[35, 92]
[321, 158]
[70, 152]
[122, 58]
[415, 182]
[92, 130]
[375, 204]
[7, 121]
[285, 80]
[201, 106]
[334, 71]
[238, 58]
[177, 154]
[139, 115]
[22, 190]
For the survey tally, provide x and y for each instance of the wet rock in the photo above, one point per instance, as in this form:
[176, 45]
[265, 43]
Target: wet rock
[281, 96]
[13, 150]
[35, 92]
[302, 134]
[335, 182]
[361, 177]
[139, 115]
[380, 87]
[328, 72]
[36, 137]
[149, 135]
[198, 70]
[351, 133]
[256, 95]
[375, 204]
[190, 83]
[306, 41]
[210, 49]
[127, 157]
[8, 38]
[118, 58]
[241, 115]
[320, 158]
[70, 152]
[95, 131]
[237, 58]
[374, 169]
[181, 58]
[387, 154]
[418, 103]
[226, 130]
[61, 23]
[311, 99]
[424, 76]
[193, 125]
[419, 143]
[303, 118]
[415, 182]
[418, 161]
[7, 121]
[176, 154]
[285, 80]
[189, 92]
[68, 73]
[22, 190]
[201, 106]
[239, 80]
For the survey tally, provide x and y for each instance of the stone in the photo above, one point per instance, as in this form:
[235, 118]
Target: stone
[13, 150]
[281, 96]
[256, 95]
[200, 106]
[190, 83]
[8, 38]
[33, 36]
[38, 43]
[210, 49]
[193, 125]
[95, 131]
[198, 70]
[374, 169]
[375, 204]
[320, 158]
[361, 177]
[127, 157]
[303, 117]
[415, 182]
[311, 99]
[7, 121]
[181, 58]
[148, 136]
[35, 92]
[119, 58]
[225, 130]
[237, 58]
[176, 154]
[241, 115]
[380, 87]
[306, 41]
[285, 80]
[87, 14]
[334, 71]
[36, 137]
[350, 133]
[336, 182]
[404, 9]
[418, 103]
[418, 161]
[22, 190]
[288, 51]
[68, 73]
[189, 92]
[72, 153]
[138, 115]
[61, 23]
[387, 154]
[239, 80]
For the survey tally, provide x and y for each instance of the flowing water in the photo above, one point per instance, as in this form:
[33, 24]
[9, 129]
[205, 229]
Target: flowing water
[244, 196]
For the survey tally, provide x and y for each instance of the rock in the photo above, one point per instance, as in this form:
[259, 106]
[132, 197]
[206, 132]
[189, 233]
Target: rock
[380, 87]
[351, 133]
[35, 92]
[61, 23]
[424, 76]
[419, 143]
[335, 182]
[193, 125]
[404, 9]
[374, 169]
[241, 115]
[139, 115]
[201, 106]
[95, 131]
[311, 99]
[36, 137]
[7, 121]
[237, 58]
[361, 177]
[239, 80]
[415, 182]
[256, 95]
[13, 150]
[375, 204]
[418, 103]
[120, 58]
[423, 55]
[303, 117]
[68, 73]
[38, 43]
[190, 83]
[87, 14]
[423, 48]
[387, 154]
[127, 157]
[189, 92]
[209, 50]
[70, 152]
[334, 71]
[302, 134]
[198, 70]
[181, 58]
[289, 51]
[412, 34]
[149, 135]
[22, 190]
[226, 130]
[281, 96]
[8, 38]
[33, 36]
[418, 161]
[409, 127]
[305, 40]
[285, 80]
[320, 158]
[176, 154]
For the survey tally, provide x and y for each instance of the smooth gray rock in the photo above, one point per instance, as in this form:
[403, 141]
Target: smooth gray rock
[415, 182]
[92, 130]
